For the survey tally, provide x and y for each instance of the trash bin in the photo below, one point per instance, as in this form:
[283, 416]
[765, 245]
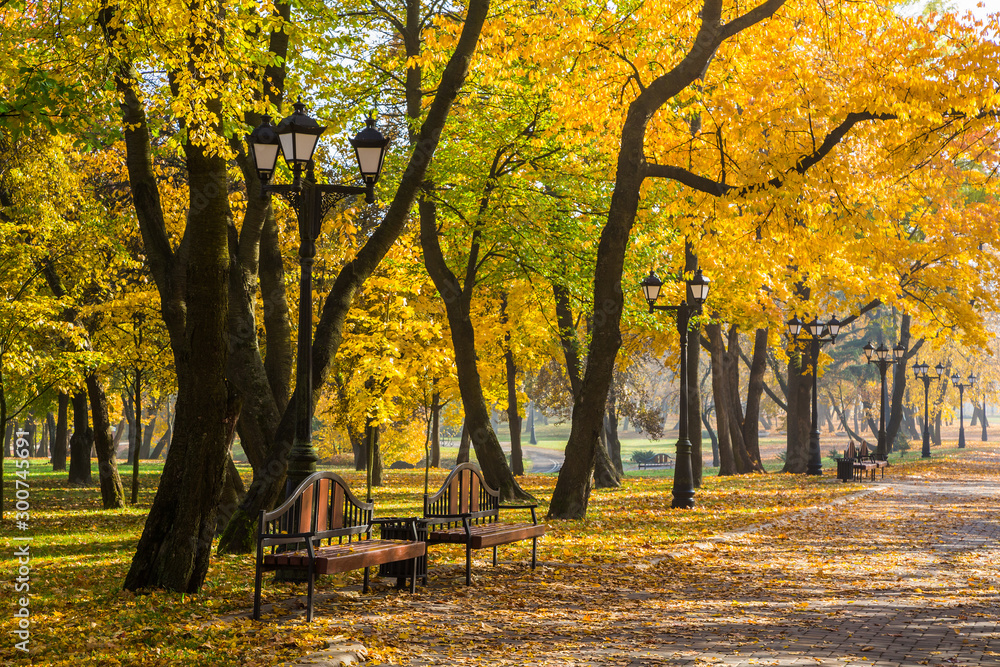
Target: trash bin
[845, 470]
[398, 528]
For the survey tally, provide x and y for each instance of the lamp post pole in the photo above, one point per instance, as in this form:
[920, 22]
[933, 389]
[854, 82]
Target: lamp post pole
[819, 333]
[880, 357]
[920, 372]
[696, 293]
[956, 380]
[296, 137]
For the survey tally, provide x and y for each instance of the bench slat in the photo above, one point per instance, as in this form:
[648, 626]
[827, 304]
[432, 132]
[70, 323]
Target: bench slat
[349, 556]
[488, 535]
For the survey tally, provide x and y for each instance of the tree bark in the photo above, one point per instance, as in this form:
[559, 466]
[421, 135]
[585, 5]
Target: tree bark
[60, 443]
[112, 493]
[435, 460]
[513, 415]
[81, 442]
[797, 423]
[464, 442]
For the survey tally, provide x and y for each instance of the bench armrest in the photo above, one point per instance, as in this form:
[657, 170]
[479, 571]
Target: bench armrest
[534, 519]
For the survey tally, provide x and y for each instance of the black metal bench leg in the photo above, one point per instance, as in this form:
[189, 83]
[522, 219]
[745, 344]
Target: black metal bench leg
[413, 575]
[309, 598]
[468, 565]
[494, 556]
[256, 596]
[364, 588]
[534, 552]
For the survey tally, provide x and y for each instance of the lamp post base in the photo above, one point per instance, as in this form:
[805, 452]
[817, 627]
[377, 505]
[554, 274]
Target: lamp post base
[925, 450]
[815, 465]
[683, 490]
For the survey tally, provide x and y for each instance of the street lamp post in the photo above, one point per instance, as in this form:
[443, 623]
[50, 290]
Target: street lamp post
[920, 372]
[697, 292]
[296, 137]
[956, 380]
[880, 357]
[818, 334]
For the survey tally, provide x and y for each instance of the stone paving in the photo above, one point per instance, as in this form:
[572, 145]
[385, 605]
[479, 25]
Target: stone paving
[905, 573]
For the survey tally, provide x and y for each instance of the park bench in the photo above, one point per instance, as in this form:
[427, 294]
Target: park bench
[465, 510]
[324, 510]
[658, 461]
[856, 465]
[868, 458]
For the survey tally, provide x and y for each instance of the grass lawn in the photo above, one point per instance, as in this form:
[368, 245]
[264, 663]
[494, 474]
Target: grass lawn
[79, 554]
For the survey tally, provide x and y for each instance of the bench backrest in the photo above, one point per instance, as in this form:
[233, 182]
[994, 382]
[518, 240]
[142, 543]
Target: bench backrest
[322, 507]
[865, 452]
[661, 458]
[852, 452]
[464, 492]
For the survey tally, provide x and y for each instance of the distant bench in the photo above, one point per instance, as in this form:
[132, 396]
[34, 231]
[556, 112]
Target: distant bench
[856, 465]
[465, 510]
[658, 461]
[323, 508]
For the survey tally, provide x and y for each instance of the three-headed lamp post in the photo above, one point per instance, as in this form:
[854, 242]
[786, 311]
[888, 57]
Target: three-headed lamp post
[956, 380]
[296, 138]
[881, 357]
[697, 292]
[817, 334]
[921, 372]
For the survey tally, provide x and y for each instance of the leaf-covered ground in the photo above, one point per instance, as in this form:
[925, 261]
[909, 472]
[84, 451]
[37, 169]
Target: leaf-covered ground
[823, 568]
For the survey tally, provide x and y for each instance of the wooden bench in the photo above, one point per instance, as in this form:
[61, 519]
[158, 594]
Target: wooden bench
[467, 511]
[323, 509]
[659, 461]
[867, 457]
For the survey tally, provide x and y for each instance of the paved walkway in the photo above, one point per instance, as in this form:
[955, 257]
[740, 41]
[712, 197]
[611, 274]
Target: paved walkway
[908, 573]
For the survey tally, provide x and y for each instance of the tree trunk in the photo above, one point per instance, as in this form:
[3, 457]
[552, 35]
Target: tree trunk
[572, 492]
[147, 438]
[463, 445]
[81, 442]
[175, 547]
[513, 416]
[164, 440]
[232, 494]
[531, 424]
[60, 443]
[112, 493]
[457, 302]
[894, 418]
[798, 426]
[611, 433]
[268, 483]
[712, 435]
[359, 448]
[435, 461]
[721, 393]
[43, 446]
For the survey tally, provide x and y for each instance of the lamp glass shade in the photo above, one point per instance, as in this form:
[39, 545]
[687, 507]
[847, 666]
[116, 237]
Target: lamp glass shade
[956, 379]
[651, 287]
[833, 327]
[919, 370]
[881, 352]
[972, 379]
[940, 371]
[869, 349]
[698, 288]
[816, 328]
[299, 135]
[898, 352]
[794, 327]
[263, 144]
[370, 148]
